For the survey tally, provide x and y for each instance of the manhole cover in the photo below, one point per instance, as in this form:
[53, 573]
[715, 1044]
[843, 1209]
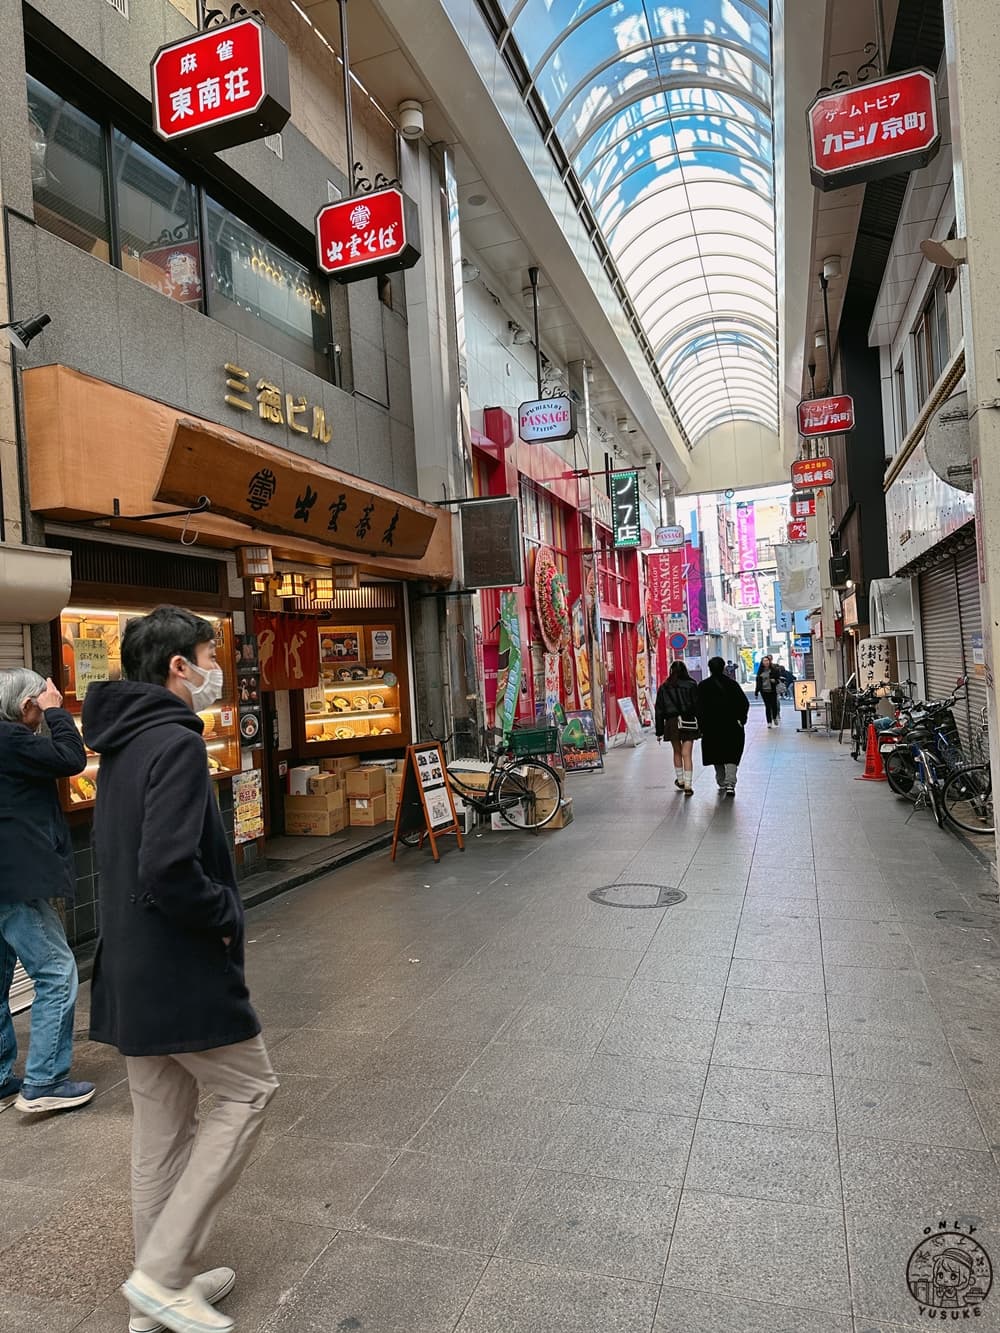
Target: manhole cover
[637, 895]
[979, 920]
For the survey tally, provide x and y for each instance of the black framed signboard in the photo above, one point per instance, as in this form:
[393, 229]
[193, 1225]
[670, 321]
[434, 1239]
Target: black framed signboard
[492, 551]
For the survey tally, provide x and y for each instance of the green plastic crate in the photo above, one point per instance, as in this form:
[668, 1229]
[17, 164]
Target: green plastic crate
[527, 741]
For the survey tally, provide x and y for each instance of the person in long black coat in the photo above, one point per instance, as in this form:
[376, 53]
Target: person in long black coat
[723, 708]
[168, 986]
[36, 866]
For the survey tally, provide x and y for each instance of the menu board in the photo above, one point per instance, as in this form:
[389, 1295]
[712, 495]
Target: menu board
[91, 661]
[248, 806]
[631, 719]
[491, 543]
[425, 804]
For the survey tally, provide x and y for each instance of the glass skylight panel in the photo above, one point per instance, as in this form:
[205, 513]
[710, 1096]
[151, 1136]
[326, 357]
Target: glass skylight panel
[664, 107]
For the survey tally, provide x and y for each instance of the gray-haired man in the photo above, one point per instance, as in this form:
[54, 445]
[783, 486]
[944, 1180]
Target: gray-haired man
[36, 865]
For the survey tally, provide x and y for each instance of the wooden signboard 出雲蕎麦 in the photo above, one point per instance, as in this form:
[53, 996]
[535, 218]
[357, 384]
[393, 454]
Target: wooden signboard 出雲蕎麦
[426, 805]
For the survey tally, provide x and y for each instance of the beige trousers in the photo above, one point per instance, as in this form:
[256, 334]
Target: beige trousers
[183, 1165]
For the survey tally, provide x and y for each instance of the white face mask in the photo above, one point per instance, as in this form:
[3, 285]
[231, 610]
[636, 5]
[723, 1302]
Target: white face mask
[210, 689]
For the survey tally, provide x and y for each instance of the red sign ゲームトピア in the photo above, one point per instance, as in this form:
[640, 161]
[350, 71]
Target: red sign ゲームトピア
[227, 85]
[826, 416]
[808, 472]
[798, 530]
[873, 129]
[367, 235]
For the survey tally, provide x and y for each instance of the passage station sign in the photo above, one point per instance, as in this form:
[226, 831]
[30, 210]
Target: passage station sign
[826, 416]
[809, 472]
[546, 419]
[367, 235]
[669, 537]
[873, 130]
[227, 85]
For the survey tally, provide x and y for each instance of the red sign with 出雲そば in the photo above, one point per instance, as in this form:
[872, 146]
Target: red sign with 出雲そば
[809, 472]
[227, 85]
[873, 129]
[367, 235]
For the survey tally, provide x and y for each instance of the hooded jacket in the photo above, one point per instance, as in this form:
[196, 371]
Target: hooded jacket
[164, 979]
[36, 855]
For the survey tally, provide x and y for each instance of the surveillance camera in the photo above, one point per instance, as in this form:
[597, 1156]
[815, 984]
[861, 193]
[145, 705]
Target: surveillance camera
[410, 115]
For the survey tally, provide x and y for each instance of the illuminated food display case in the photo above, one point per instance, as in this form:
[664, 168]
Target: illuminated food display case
[362, 702]
[90, 651]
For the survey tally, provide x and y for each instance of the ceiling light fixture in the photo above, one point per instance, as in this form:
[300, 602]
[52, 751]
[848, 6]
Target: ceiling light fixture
[831, 267]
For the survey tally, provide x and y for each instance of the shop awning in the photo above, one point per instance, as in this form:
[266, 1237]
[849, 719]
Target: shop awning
[91, 443]
[34, 584]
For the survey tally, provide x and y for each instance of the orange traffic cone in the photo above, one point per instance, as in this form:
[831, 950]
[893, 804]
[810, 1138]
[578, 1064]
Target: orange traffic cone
[874, 769]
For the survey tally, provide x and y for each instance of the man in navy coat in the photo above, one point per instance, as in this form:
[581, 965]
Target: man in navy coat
[168, 988]
[36, 865]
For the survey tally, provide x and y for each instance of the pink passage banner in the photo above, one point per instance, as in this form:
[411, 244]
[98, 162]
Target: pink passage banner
[746, 548]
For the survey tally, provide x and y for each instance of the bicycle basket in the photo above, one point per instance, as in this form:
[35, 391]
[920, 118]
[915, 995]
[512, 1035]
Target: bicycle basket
[527, 741]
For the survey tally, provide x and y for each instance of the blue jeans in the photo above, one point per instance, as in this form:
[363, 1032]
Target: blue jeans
[34, 933]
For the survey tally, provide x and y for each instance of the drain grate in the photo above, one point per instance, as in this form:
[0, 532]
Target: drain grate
[637, 895]
[978, 920]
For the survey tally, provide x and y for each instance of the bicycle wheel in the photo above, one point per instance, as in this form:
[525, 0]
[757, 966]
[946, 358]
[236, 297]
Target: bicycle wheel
[859, 738]
[968, 799]
[528, 793]
[901, 772]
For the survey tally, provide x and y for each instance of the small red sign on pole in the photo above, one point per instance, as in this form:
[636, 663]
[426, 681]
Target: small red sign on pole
[873, 129]
[826, 416]
[367, 235]
[227, 85]
[798, 530]
[803, 506]
[809, 472]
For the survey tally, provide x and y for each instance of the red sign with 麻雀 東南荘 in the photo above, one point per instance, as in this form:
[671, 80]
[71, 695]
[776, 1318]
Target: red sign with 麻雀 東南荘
[826, 416]
[367, 235]
[809, 472]
[873, 129]
[227, 85]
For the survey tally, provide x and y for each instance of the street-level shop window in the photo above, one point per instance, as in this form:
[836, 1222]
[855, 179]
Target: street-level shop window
[262, 292]
[68, 171]
[157, 223]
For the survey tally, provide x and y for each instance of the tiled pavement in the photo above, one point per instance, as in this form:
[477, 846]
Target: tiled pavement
[508, 1109]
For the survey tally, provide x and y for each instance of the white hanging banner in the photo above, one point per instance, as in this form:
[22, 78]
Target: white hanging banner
[798, 574]
[873, 662]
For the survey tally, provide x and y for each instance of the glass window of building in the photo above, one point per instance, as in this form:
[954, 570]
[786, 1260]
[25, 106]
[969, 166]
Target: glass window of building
[261, 292]
[157, 223]
[68, 174]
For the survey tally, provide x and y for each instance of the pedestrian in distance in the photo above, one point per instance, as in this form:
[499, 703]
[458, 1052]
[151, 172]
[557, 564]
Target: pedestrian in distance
[723, 708]
[36, 866]
[768, 679]
[168, 988]
[677, 722]
[731, 670]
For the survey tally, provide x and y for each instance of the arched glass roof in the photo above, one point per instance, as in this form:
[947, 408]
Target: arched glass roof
[664, 110]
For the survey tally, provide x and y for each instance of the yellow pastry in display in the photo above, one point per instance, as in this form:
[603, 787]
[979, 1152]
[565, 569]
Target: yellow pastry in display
[341, 704]
[376, 701]
[343, 734]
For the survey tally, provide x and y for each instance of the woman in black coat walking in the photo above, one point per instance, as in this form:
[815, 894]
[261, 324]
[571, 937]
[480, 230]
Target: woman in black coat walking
[768, 680]
[722, 713]
[677, 722]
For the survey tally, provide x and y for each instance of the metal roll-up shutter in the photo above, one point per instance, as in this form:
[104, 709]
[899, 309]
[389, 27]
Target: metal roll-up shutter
[967, 572]
[11, 646]
[941, 628]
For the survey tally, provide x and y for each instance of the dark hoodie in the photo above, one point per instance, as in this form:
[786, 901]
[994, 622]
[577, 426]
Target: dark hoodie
[164, 981]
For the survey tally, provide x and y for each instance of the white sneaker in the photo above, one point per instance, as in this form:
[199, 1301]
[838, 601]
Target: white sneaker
[213, 1286]
[185, 1311]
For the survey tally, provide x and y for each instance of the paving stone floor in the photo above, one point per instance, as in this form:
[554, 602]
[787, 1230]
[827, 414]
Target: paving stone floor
[506, 1108]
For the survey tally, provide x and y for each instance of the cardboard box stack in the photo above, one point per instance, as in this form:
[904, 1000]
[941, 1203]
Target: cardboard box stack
[320, 811]
[366, 796]
[393, 786]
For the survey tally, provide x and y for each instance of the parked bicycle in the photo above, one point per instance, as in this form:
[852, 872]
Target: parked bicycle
[520, 786]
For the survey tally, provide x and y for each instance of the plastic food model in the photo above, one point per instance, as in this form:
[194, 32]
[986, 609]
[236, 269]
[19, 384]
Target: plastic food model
[376, 701]
[341, 703]
[81, 789]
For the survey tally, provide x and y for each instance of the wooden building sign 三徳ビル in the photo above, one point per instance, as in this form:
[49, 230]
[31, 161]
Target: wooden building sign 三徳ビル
[288, 409]
[275, 491]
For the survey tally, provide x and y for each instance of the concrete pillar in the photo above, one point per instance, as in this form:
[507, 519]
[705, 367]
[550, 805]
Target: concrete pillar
[972, 40]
